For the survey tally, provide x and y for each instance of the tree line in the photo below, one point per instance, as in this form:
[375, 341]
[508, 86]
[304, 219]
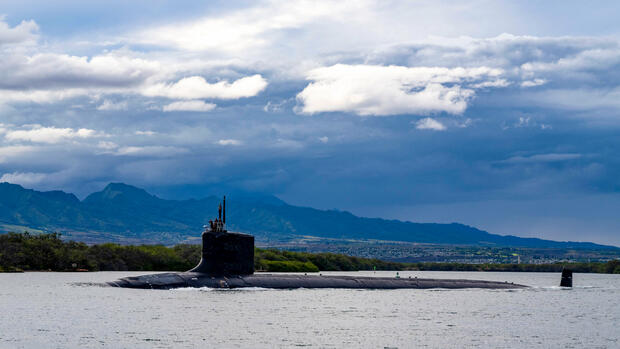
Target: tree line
[25, 251]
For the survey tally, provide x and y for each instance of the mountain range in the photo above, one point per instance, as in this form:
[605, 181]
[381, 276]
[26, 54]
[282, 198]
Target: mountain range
[127, 214]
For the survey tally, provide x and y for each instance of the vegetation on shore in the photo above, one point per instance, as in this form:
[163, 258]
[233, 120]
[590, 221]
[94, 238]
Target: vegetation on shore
[19, 252]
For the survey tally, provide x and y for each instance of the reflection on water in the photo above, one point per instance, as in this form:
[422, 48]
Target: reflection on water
[67, 310]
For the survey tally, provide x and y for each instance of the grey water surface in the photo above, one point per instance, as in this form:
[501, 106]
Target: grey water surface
[67, 310]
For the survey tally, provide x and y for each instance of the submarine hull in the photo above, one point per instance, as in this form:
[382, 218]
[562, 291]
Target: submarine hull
[291, 281]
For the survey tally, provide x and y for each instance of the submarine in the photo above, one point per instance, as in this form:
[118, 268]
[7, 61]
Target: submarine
[228, 262]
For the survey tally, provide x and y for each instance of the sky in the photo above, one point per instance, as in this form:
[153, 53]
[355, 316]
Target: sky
[504, 115]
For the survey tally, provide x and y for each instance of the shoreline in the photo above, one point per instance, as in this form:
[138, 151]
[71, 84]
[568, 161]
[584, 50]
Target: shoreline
[568, 265]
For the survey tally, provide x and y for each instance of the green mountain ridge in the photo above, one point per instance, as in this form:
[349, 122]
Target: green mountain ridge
[122, 212]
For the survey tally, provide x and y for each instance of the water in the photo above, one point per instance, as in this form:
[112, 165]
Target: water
[61, 310]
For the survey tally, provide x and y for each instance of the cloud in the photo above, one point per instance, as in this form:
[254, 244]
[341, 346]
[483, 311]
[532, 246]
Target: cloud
[527, 121]
[273, 107]
[564, 62]
[229, 142]
[492, 83]
[389, 90]
[40, 96]
[151, 151]
[38, 76]
[23, 32]
[192, 105]
[41, 76]
[430, 124]
[51, 77]
[40, 134]
[14, 151]
[23, 178]
[464, 123]
[551, 157]
[592, 55]
[108, 105]
[43, 71]
[597, 99]
[145, 133]
[532, 83]
[107, 145]
[246, 28]
[197, 87]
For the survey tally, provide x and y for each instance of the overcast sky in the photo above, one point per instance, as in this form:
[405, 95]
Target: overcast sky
[504, 115]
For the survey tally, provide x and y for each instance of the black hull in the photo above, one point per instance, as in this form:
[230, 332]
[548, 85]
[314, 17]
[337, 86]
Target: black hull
[288, 281]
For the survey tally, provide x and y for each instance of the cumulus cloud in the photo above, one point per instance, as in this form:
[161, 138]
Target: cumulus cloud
[34, 75]
[46, 77]
[192, 105]
[532, 83]
[197, 87]
[229, 142]
[23, 178]
[53, 77]
[430, 124]
[51, 70]
[388, 90]
[23, 32]
[40, 134]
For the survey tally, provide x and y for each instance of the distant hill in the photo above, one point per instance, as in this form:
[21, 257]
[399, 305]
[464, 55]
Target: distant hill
[123, 213]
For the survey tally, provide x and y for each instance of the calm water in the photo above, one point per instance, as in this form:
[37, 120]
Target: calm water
[52, 310]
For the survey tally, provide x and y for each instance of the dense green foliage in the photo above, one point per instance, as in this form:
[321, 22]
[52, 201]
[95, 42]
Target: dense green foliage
[289, 266]
[264, 260]
[48, 252]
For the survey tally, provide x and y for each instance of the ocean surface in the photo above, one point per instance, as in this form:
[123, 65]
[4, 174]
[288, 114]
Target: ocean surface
[65, 310]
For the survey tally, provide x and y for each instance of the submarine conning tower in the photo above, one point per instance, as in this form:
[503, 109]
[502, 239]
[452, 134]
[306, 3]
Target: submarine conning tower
[225, 253]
